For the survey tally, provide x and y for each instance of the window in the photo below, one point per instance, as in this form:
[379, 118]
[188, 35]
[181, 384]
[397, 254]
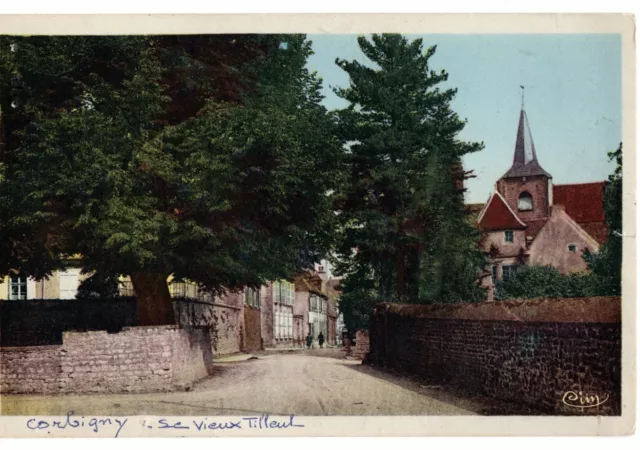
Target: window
[251, 297]
[572, 248]
[184, 289]
[283, 325]
[508, 236]
[494, 274]
[17, 287]
[283, 292]
[525, 202]
[508, 271]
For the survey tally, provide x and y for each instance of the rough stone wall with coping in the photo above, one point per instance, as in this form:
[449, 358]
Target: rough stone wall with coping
[139, 359]
[224, 318]
[42, 322]
[362, 347]
[542, 353]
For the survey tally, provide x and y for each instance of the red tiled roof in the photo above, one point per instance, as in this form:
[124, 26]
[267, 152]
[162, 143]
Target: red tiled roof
[583, 202]
[498, 216]
[597, 230]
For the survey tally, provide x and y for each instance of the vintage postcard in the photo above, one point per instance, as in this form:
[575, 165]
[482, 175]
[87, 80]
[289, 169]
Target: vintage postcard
[317, 225]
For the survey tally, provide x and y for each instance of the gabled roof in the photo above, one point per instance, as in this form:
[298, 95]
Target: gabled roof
[560, 212]
[597, 230]
[525, 160]
[497, 215]
[584, 203]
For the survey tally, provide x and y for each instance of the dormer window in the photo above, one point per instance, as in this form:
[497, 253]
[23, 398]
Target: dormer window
[525, 202]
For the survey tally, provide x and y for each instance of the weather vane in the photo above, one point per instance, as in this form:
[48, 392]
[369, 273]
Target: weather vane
[522, 87]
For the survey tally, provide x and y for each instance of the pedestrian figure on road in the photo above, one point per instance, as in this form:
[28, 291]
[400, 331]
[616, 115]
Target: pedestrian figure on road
[321, 339]
[309, 340]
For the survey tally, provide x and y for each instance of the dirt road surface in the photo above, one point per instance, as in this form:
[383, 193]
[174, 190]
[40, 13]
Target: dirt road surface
[306, 383]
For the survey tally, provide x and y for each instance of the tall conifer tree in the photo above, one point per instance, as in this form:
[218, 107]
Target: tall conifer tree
[405, 233]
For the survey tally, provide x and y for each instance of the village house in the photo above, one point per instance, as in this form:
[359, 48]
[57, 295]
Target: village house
[334, 318]
[530, 221]
[60, 285]
[278, 315]
[311, 306]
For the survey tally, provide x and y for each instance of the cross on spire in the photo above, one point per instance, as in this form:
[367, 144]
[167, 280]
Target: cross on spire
[522, 105]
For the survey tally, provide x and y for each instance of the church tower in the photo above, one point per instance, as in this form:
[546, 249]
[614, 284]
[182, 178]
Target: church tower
[526, 186]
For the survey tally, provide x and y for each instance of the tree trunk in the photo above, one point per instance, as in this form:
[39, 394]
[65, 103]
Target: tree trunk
[153, 299]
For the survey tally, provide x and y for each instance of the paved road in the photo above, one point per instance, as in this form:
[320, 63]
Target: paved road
[307, 383]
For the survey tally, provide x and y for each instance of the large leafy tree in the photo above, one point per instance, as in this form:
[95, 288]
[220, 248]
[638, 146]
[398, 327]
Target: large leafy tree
[405, 234]
[208, 158]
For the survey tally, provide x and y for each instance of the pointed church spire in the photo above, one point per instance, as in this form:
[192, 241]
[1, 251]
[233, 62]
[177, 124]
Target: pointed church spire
[525, 160]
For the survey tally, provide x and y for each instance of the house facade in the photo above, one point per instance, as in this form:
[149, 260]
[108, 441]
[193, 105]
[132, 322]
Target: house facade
[60, 285]
[530, 221]
[280, 314]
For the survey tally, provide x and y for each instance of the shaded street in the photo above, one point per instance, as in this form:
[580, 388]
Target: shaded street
[307, 383]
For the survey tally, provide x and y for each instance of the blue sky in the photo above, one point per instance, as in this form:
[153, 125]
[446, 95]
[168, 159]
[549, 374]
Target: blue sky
[573, 97]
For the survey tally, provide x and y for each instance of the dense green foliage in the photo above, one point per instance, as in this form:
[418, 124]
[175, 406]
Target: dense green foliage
[99, 286]
[547, 282]
[206, 157]
[405, 234]
[607, 263]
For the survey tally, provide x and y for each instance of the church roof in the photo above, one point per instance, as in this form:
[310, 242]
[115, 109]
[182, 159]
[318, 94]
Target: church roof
[497, 215]
[525, 160]
[584, 203]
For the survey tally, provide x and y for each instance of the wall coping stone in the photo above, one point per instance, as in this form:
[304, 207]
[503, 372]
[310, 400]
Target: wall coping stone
[550, 310]
[32, 348]
[150, 327]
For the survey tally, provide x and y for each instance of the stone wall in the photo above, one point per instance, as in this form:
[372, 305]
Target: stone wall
[362, 346]
[139, 359]
[42, 322]
[542, 353]
[223, 319]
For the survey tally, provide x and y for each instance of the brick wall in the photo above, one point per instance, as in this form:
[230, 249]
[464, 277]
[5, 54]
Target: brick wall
[537, 186]
[134, 360]
[534, 352]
